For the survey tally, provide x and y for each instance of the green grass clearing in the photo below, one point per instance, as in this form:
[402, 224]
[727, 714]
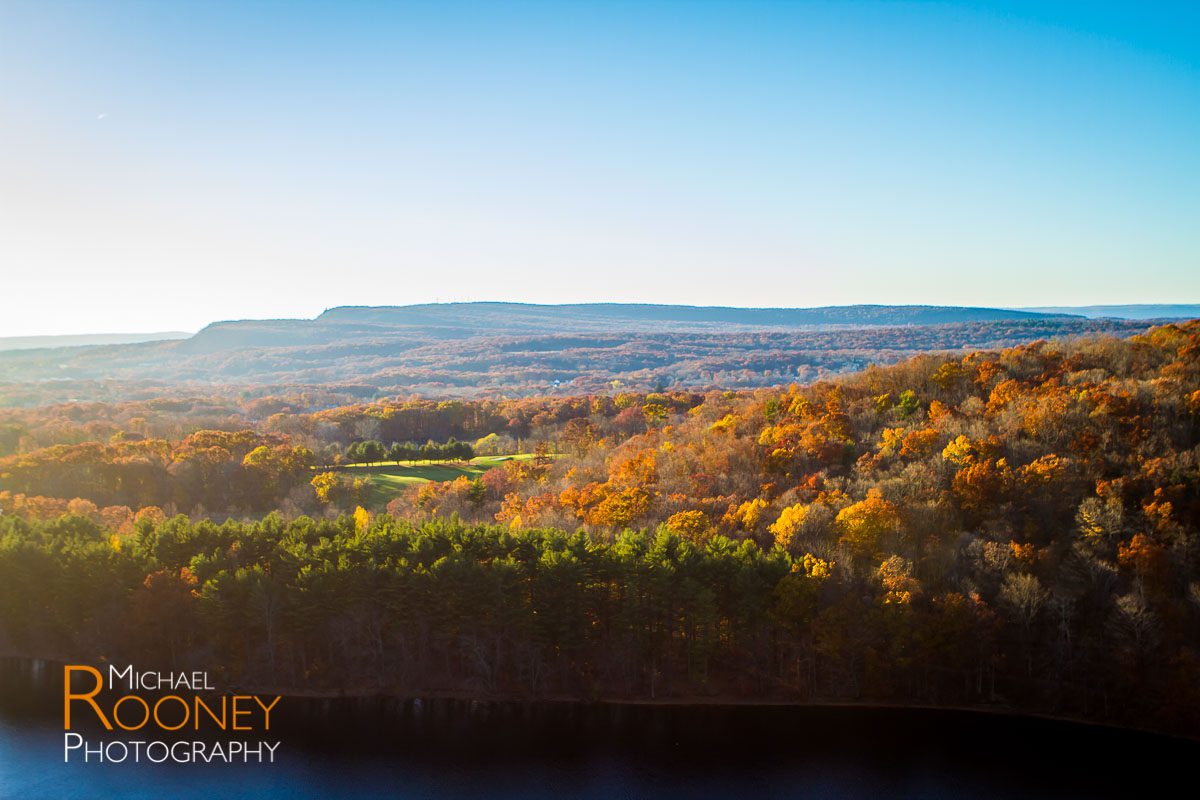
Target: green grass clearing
[389, 478]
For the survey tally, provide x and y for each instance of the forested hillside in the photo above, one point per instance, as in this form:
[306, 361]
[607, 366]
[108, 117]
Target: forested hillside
[1014, 528]
[512, 349]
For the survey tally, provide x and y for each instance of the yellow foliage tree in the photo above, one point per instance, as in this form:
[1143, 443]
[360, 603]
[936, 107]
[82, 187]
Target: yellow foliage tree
[813, 567]
[726, 424]
[864, 524]
[620, 509]
[325, 484]
[788, 525]
[362, 519]
[748, 515]
[692, 525]
[889, 443]
[1043, 471]
[959, 452]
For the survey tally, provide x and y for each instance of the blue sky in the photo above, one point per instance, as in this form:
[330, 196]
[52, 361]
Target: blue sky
[163, 165]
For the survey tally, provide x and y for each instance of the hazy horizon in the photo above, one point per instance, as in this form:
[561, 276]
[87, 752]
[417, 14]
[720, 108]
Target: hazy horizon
[24, 341]
[182, 332]
[166, 166]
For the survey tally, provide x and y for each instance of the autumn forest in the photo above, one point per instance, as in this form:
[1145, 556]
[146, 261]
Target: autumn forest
[1009, 528]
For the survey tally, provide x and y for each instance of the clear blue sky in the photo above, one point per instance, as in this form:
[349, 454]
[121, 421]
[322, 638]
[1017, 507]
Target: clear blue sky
[165, 164]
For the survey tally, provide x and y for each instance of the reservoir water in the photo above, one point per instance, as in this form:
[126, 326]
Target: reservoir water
[390, 749]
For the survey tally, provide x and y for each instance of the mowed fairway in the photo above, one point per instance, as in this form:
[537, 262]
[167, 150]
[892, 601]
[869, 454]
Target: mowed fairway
[388, 478]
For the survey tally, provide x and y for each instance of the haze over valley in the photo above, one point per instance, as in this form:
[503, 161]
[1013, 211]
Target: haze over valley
[466, 349]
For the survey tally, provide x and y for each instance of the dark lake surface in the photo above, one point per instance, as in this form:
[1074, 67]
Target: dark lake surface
[373, 749]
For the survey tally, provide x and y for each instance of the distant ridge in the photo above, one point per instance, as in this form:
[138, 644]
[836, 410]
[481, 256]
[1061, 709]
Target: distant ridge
[582, 313]
[466, 349]
[85, 339]
[461, 320]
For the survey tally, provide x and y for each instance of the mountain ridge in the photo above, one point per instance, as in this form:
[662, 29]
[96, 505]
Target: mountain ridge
[857, 314]
[472, 349]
